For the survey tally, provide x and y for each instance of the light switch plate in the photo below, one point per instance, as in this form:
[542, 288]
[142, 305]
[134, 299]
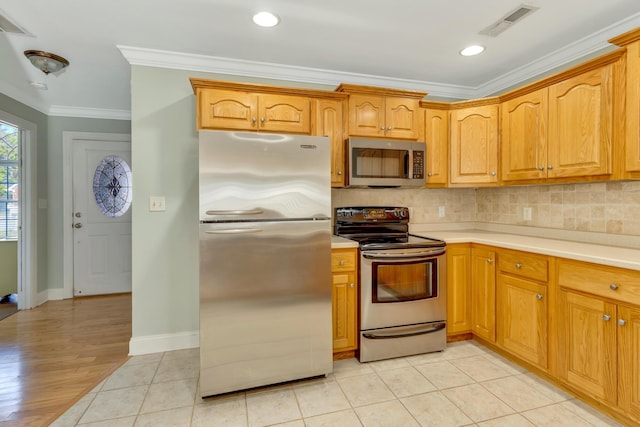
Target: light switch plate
[157, 204]
[526, 213]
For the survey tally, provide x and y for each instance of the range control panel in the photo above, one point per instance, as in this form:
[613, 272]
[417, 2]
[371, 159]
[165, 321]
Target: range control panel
[369, 214]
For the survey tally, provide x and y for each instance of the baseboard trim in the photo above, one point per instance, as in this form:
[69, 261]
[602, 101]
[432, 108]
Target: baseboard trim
[163, 342]
[49, 295]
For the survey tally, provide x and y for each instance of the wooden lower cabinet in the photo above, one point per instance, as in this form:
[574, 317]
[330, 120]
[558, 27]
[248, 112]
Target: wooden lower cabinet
[344, 289]
[629, 360]
[483, 293]
[458, 289]
[522, 318]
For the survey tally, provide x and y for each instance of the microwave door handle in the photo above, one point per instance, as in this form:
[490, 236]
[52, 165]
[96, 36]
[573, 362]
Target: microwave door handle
[407, 165]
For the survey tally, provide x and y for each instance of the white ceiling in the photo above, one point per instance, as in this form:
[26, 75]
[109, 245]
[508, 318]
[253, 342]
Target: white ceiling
[411, 44]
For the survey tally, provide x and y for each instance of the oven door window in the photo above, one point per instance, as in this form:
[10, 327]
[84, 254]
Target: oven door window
[380, 163]
[404, 281]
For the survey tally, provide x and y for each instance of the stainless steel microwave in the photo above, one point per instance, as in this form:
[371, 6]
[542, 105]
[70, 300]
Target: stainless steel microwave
[385, 163]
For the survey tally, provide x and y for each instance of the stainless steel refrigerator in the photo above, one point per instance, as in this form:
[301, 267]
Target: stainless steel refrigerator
[265, 259]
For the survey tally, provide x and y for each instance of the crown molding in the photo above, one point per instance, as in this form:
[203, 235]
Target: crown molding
[266, 70]
[88, 113]
[213, 64]
[595, 42]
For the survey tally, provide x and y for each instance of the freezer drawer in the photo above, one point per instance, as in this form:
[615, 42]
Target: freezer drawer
[265, 303]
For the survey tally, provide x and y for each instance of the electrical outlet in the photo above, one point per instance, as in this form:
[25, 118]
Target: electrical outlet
[526, 213]
[157, 204]
[441, 211]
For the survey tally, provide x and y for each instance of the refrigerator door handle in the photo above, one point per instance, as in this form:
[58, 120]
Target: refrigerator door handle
[235, 231]
[236, 212]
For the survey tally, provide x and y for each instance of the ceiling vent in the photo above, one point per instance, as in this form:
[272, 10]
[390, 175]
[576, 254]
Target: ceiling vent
[8, 26]
[508, 20]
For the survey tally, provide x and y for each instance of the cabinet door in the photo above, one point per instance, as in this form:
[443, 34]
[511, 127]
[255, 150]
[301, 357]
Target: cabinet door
[329, 122]
[632, 146]
[401, 118]
[483, 293]
[437, 139]
[282, 113]
[366, 115]
[474, 145]
[580, 125]
[345, 298]
[458, 289]
[226, 109]
[524, 137]
[629, 359]
[522, 318]
[587, 345]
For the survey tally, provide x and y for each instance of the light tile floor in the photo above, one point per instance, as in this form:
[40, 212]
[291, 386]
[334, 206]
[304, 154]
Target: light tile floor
[466, 385]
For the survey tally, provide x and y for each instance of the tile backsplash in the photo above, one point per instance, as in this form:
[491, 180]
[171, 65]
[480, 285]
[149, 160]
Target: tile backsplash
[605, 207]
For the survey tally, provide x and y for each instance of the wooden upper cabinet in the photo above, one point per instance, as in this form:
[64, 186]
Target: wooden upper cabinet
[581, 125]
[366, 115]
[524, 137]
[253, 107]
[329, 121]
[225, 109]
[631, 162]
[401, 118]
[379, 112]
[282, 113]
[437, 139]
[474, 145]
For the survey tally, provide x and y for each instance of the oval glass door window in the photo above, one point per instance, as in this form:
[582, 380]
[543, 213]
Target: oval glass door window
[112, 186]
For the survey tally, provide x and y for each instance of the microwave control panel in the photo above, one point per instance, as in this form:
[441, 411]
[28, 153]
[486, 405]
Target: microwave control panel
[418, 164]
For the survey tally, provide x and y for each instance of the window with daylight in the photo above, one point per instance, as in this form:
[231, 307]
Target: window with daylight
[9, 181]
[112, 186]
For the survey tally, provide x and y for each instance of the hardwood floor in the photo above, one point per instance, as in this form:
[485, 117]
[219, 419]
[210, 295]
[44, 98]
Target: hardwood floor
[52, 355]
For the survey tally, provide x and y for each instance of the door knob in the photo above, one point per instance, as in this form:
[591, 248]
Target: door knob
[77, 225]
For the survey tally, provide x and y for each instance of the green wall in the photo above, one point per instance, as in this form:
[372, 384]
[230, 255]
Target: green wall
[8, 267]
[15, 108]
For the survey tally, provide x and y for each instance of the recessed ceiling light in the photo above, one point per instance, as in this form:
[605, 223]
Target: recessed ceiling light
[472, 50]
[266, 19]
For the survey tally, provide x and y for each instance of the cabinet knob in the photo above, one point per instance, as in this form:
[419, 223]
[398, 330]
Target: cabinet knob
[489, 260]
[382, 128]
[253, 119]
[622, 322]
[518, 265]
[341, 262]
[541, 168]
[261, 119]
[613, 287]
[606, 317]
[539, 297]
[77, 225]
[339, 172]
[493, 173]
[351, 285]
[429, 174]
[549, 167]
[389, 128]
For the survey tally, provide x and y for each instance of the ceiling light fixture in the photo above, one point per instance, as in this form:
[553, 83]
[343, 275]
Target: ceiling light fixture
[45, 61]
[266, 19]
[472, 50]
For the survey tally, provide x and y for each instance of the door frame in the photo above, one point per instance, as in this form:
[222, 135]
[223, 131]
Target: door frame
[27, 240]
[68, 141]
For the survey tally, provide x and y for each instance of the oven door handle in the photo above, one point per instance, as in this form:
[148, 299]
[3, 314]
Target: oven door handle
[382, 336]
[403, 255]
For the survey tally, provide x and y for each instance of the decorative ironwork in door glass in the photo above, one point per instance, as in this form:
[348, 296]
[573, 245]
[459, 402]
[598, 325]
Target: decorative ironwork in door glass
[112, 186]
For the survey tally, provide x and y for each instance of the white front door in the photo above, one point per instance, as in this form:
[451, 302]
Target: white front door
[101, 217]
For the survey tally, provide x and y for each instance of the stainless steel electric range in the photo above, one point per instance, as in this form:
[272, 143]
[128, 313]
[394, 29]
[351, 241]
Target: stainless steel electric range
[402, 283]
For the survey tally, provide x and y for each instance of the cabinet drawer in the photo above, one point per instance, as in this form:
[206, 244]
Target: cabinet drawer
[343, 260]
[609, 282]
[531, 266]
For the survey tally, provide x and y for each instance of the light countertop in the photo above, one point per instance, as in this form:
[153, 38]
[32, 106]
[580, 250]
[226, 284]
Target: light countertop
[615, 256]
[341, 243]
